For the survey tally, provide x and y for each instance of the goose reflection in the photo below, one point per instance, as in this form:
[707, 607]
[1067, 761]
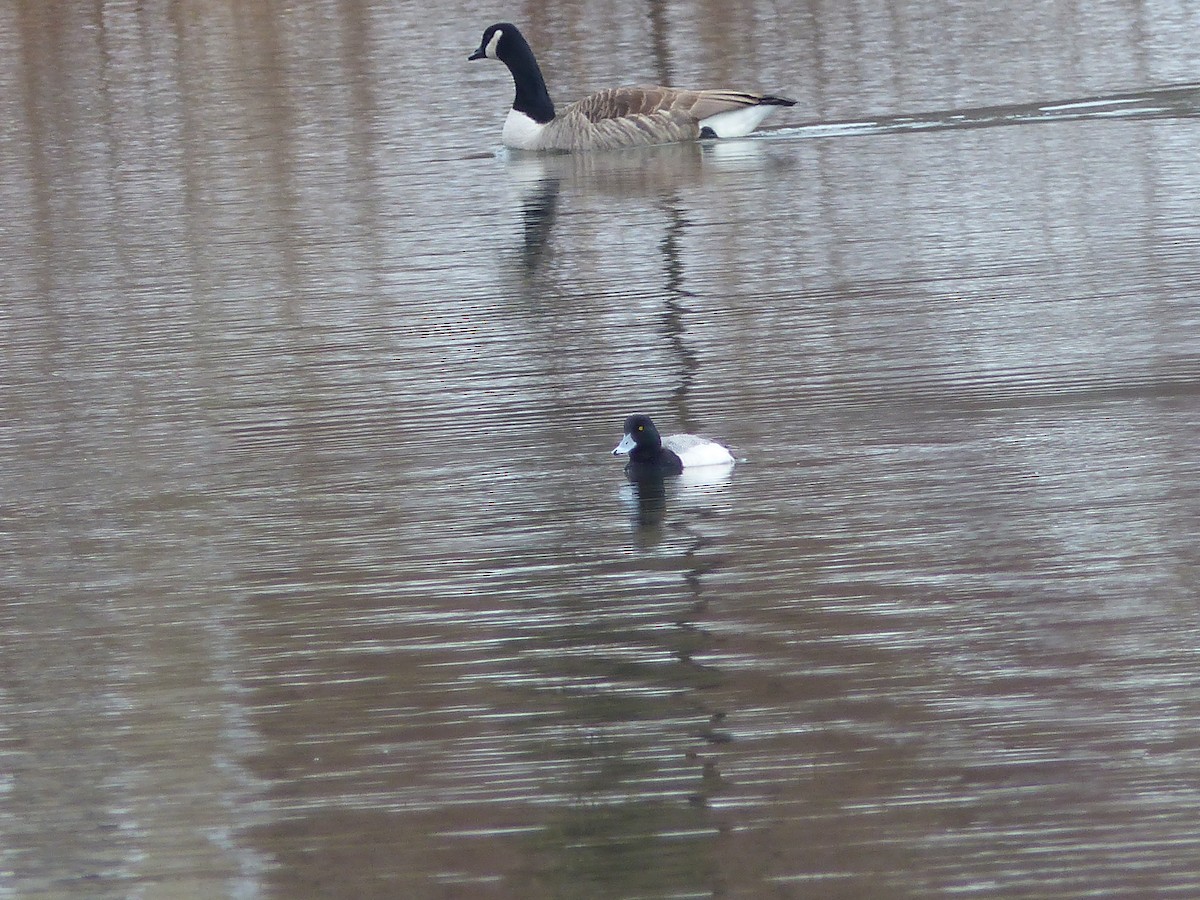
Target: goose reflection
[644, 174]
[539, 209]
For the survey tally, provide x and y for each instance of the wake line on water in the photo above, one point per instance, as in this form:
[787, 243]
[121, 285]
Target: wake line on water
[1177, 101]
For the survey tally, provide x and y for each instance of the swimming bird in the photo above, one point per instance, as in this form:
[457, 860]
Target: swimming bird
[618, 117]
[650, 454]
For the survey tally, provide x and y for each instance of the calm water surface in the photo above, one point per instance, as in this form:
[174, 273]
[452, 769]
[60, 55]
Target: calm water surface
[319, 579]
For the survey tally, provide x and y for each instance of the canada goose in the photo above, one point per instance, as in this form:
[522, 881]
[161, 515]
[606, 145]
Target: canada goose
[619, 117]
[650, 453]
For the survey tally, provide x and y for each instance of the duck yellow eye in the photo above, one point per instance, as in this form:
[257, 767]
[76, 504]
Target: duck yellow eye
[641, 428]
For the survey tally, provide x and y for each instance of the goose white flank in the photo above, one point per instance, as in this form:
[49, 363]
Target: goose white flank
[618, 117]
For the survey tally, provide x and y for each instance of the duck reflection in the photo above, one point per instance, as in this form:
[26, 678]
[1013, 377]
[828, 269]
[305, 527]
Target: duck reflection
[645, 495]
[648, 496]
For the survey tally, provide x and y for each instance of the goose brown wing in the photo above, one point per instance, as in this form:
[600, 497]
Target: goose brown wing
[573, 130]
[616, 103]
[703, 104]
[633, 116]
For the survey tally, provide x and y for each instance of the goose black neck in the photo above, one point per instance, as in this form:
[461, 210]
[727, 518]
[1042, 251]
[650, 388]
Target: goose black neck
[532, 97]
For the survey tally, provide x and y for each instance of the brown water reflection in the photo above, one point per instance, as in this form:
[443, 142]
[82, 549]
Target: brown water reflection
[319, 579]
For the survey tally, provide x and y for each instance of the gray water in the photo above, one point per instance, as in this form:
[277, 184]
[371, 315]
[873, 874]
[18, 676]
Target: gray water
[319, 579]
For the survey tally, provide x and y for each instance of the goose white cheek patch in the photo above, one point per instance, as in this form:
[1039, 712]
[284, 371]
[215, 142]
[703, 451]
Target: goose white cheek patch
[490, 50]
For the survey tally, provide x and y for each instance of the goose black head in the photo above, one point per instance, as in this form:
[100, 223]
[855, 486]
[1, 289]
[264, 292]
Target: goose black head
[496, 41]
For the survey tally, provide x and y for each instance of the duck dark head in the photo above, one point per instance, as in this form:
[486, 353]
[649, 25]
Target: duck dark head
[641, 433]
[504, 41]
[645, 448]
